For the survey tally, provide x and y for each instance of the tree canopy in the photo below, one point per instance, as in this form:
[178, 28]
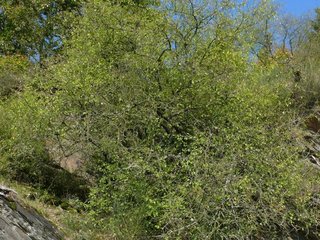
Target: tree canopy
[35, 28]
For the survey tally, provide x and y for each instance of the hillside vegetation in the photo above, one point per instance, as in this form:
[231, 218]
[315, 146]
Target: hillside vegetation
[165, 119]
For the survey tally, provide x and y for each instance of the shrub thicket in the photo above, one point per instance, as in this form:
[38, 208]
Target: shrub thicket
[185, 136]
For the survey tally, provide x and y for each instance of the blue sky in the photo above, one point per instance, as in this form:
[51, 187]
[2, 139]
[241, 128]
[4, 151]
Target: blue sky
[299, 7]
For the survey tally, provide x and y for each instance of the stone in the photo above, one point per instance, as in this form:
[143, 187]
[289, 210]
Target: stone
[20, 222]
[313, 123]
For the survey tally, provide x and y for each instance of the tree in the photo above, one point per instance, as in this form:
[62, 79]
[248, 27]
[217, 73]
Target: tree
[292, 33]
[184, 136]
[35, 29]
[316, 22]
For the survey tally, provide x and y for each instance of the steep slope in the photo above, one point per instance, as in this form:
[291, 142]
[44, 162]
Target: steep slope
[19, 222]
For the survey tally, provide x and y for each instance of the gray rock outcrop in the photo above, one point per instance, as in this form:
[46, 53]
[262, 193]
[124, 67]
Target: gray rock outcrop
[19, 222]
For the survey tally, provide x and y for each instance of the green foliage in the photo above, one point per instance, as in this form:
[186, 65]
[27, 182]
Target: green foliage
[24, 125]
[316, 22]
[307, 62]
[35, 28]
[237, 179]
[11, 74]
[185, 137]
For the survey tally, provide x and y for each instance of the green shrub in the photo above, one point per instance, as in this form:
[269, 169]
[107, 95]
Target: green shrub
[12, 69]
[307, 62]
[24, 129]
[240, 178]
[185, 137]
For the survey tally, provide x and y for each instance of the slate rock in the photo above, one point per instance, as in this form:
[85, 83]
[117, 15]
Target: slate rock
[19, 222]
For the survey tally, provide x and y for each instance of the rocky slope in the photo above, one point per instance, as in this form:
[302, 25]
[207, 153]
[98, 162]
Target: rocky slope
[19, 222]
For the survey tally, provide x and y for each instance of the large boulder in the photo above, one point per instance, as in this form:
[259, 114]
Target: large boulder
[19, 222]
